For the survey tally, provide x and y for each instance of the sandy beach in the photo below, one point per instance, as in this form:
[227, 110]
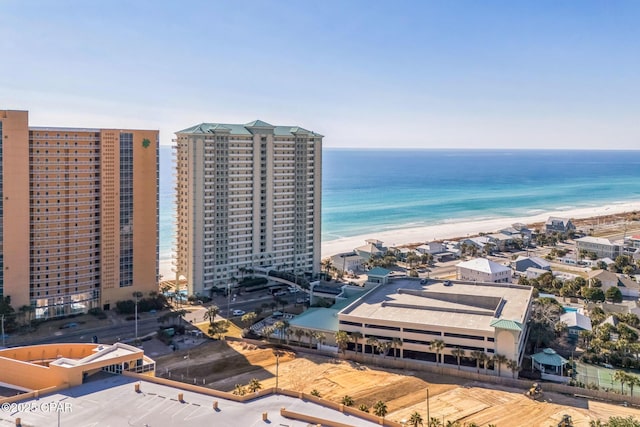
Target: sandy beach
[463, 229]
[449, 230]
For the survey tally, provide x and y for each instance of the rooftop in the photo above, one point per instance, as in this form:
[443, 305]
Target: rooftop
[573, 319]
[94, 404]
[596, 240]
[247, 129]
[448, 304]
[484, 265]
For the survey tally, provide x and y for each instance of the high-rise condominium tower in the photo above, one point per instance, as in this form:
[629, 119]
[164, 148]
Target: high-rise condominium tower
[247, 196]
[79, 215]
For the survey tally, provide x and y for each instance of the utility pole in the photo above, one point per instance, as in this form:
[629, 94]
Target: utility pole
[3, 330]
[136, 314]
[137, 295]
[428, 414]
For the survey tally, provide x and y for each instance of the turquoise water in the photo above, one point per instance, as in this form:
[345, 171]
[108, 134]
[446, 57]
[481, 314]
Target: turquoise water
[569, 309]
[365, 191]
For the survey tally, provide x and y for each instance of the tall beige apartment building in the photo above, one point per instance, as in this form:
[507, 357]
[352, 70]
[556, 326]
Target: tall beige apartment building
[79, 215]
[247, 196]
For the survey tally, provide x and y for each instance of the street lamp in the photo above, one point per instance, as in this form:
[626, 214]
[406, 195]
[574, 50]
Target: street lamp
[137, 295]
[428, 414]
[277, 354]
[228, 299]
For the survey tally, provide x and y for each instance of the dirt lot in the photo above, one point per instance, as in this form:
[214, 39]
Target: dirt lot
[222, 365]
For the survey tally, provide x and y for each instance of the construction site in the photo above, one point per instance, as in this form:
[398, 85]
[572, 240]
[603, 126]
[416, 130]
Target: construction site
[222, 365]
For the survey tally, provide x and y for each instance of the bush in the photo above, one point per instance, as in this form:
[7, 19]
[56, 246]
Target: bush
[98, 313]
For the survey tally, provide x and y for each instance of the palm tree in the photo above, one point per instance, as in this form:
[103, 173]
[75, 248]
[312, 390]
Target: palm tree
[299, 333]
[315, 393]
[435, 422]
[342, 340]
[267, 331]
[248, 318]
[499, 359]
[633, 381]
[622, 377]
[211, 313]
[396, 343]
[279, 326]
[239, 390]
[363, 407]
[347, 400]
[514, 366]
[321, 338]
[254, 385]
[373, 342]
[311, 336]
[355, 337]
[384, 348]
[437, 345]
[479, 356]
[459, 353]
[327, 264]
[416, 419]
[380, 408]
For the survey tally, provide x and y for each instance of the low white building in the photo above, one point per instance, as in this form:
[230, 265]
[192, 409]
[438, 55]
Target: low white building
[432, 248]
[347, 262]
[628, 288]
[483, 270]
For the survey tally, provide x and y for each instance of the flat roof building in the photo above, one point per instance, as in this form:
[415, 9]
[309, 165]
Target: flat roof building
[79, 215]
[247, 196]
[485, 317]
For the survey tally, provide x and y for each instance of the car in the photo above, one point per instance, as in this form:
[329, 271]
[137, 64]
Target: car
[280, 293]
[69, 325]
[238, 312]
[448, 283]
[608, 365]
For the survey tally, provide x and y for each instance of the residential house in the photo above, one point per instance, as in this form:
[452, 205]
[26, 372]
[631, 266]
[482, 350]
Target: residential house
[600, 246]
[350, 261]
[477, 242]
[503, 241]
[522, 263]
[432, 248]
[576, 322]
[628, 287]
[483, 270]
[534, 273]
[368, 251]
[559, 225]
[519, 228]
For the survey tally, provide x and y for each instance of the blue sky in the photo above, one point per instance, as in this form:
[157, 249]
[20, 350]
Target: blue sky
[375, 74]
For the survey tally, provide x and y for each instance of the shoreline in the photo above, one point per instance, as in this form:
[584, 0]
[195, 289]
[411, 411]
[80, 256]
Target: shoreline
[449, 231]
[468, 228]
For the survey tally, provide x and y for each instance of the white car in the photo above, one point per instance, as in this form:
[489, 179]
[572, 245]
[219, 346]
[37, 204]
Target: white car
[238, 312]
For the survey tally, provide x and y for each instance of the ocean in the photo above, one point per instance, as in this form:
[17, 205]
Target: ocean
[366, 191]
